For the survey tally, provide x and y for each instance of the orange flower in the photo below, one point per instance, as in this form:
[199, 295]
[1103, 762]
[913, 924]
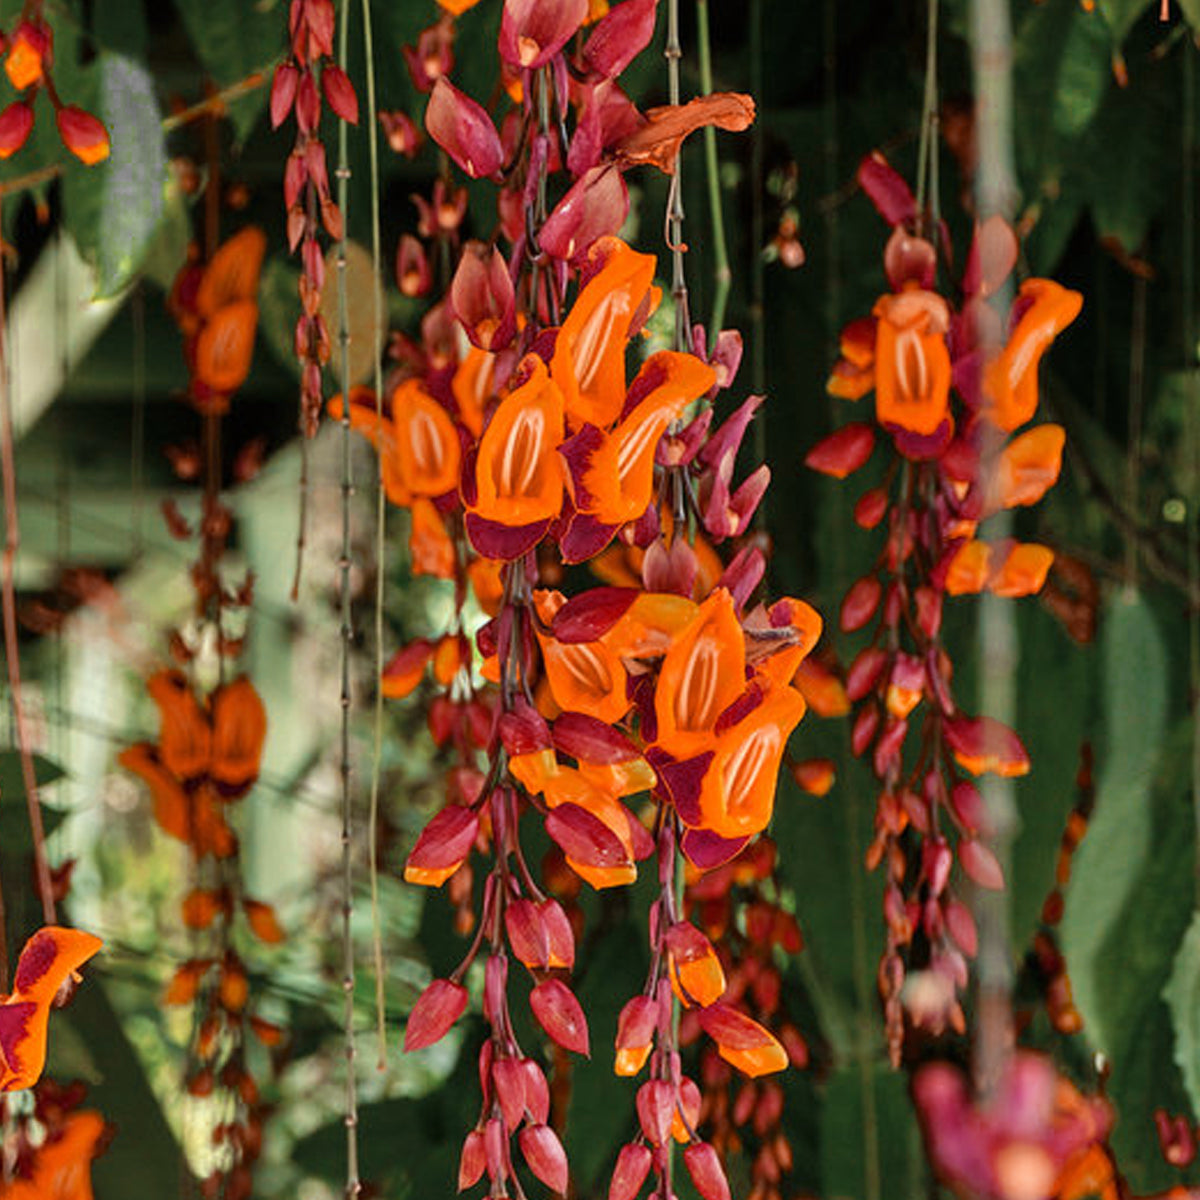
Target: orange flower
[612, 474]
[912, 363]
[48, 959]
[1023, 571]
[742, 1042]
[516, 488]
[473, 387]
[697, 977]
[232, 273]
[703, 672]
[854, 373]
[1010, 383]
[428, 452]
[969, 569]
[62, 1165]
[585, 677]
[239, 725]
[737, 795]
[823, 691]
[1027, 468]
[430, 547]
[589, 354]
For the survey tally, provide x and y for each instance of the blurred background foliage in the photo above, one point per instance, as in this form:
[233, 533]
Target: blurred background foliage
[1105, 115]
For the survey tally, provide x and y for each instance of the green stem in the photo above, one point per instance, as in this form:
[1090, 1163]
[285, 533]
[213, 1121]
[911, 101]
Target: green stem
[722, 275]
[353, 1184]
[380, 544]
[927, 153]
[1192, 422]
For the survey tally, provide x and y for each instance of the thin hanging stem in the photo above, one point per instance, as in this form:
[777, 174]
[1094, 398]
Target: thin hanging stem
[1137, 390]
[380, 547]
[12, 543]
[991, 42]
[722, 275]
[353, 1184]
[927, 153]
[683, 325]
[1192, 420]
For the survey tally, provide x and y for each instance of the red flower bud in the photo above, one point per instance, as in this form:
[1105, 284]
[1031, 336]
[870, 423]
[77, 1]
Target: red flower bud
[464, 130]
[863, 730]
[842, 452]
[980, 864]
[545, 1155]
[961, 925]
[482, 297]
[339, 92]
[586, 838]
[533, 31]
[656, 1109]
[509, 1081]
[308, 103]
[472, 1161]
[596, 204]
[527, 933]
[860, 603]
[706, 1171]
[559, 1014]
[436, 1010]
[283, 92]
[83, 134]
[403, 136]
[633, 1165]
[16, 122]
[537, 1091]
[864, 672]
[443, 846]
[413, 275]
[871, 508]
[620, 37]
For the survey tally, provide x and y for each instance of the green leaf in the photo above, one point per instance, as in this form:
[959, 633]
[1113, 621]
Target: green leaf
[1182, 995]
[1121, 16]
[120, 27]
[113, 210]
[1115, 851]
[869, 1103]
[1084, 72]
[14, 816]
[234, 39]
[144, 1158]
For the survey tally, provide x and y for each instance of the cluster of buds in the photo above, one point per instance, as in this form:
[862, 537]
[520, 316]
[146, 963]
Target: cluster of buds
[310, 204]
[28, 60]
[515, 438]
[49, 1146]
[950, 387]
[737, 907]
[207, 757]
[1030, 1139]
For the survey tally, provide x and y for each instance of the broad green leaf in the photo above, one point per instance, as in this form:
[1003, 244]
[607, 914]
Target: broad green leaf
[869, 1104]
[1084, 73]
[1114, 854]
[113, 210]
[234, 39]
[1182, 995]
[144, 1159]
[1121, 16]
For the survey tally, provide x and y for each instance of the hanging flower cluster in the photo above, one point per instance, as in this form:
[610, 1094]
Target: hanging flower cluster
[951, 383]
[295, 91]
[28, 50]
[645, 718]
[738, 907]
[215, 305]
[208, 753]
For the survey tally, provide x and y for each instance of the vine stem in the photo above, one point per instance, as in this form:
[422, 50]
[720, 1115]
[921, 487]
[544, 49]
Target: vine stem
[722, 275]
[1192, 420]
[353, 1184]
[380, 546]
[683, 326]
[991, 42]
[12, 543]
[927, 153]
